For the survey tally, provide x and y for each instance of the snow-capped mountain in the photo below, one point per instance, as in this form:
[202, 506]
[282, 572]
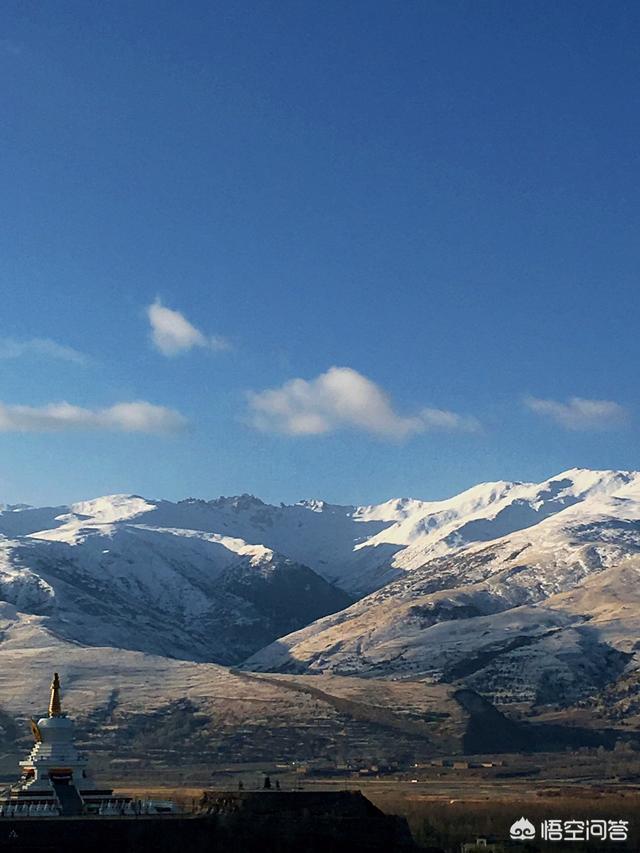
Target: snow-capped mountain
[550, 610]
[358, 548]
[174, 592]
[489, 587]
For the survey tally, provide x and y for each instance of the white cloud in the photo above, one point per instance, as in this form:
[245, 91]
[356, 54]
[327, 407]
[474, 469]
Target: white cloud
[172, 333]
[339, 398]
[579, 413]
[137, 416]
[12, 348]
[443, 419]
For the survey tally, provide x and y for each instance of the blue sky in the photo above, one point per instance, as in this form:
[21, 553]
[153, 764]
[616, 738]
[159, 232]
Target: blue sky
[347, 250]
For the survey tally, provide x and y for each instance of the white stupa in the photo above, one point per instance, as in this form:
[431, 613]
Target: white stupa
[54, 776]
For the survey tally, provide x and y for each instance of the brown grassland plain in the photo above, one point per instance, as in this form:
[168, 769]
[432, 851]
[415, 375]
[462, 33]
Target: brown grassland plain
[445, 812]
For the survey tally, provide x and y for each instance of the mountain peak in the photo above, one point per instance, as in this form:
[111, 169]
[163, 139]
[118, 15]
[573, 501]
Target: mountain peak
[313, 504]
[244, 501]
[109, 508]
[14, 507]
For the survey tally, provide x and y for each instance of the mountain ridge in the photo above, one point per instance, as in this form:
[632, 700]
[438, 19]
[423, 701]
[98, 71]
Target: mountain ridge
[466, 589]
[359, 548]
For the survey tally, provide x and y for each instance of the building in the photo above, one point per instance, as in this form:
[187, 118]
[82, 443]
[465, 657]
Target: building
[54, 778]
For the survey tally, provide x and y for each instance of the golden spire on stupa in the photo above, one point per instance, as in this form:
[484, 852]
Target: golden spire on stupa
[55, 707]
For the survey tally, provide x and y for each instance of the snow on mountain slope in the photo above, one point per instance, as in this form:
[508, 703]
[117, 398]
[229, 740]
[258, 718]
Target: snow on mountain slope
[358, 548]
[492, 510]
[312, 532]
[112, 508]
[546, 611]
[455, 582]
[610, 601]
[363, 548]
[179, 593]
